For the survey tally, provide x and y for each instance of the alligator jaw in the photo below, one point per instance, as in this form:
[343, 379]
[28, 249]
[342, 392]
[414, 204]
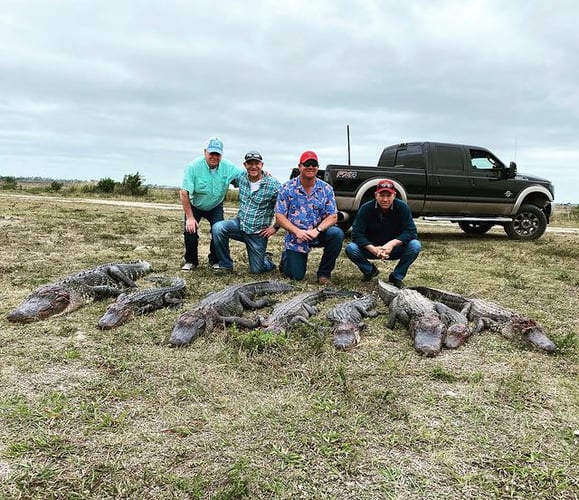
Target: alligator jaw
[536, 336]
[188, 327]
[44, 303]
[116, 315]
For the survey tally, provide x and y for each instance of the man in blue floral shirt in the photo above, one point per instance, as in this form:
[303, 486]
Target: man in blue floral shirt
[253, 224]
[306, 209]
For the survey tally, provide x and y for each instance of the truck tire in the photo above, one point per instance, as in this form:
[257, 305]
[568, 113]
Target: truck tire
[529, 224]
[475, 227]
[345, 225]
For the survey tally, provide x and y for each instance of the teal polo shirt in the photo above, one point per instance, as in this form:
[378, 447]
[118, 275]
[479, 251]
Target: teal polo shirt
[207, 187]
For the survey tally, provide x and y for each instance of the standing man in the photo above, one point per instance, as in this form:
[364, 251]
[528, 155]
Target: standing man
[384, 229]
[253, 224]
[204, 187]
[306, 209]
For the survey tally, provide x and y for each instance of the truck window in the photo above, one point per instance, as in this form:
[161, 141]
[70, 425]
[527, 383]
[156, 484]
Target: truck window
[410, 157]
[448, 159]
[483, 160]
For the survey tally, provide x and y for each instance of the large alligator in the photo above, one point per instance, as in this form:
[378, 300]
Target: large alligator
[348, 320]
[298, 309]
[489, 315]
[76, 290]
[129, 305]
[419, 313]
[226, 307]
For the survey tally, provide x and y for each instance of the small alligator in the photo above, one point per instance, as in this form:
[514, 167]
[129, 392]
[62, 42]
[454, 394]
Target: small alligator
[418, 312]
[348, 320]
[226, 307]
[298, 309]
[129, 305]
[489, 315]
[76, 290]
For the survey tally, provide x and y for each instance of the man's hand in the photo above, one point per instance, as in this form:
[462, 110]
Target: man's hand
[191, 225]
[268, 232]
[306, 234]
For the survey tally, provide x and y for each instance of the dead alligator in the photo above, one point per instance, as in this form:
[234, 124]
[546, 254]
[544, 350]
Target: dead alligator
[298, 309]
[419, 313]
[226, 307]
[76, 290]
[348, 320]
[129, 305]
[489, 315]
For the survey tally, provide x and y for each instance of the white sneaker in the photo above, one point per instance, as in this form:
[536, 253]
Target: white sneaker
[188, 266]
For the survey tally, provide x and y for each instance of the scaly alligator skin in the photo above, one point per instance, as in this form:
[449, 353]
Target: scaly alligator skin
[224, 306]
[129, 305]
[76, 290]
[457, 327]
[418, 312]
[387, 291]
[489, 315]
[298, 309]
[348, 320]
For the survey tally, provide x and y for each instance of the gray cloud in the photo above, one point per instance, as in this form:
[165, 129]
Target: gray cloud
[92, 90]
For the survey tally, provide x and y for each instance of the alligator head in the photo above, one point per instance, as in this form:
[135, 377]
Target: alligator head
[189, 326]
[51, 300]
[117, 314]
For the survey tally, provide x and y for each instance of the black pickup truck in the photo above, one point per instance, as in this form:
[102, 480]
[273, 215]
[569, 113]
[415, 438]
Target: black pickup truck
[468, 185]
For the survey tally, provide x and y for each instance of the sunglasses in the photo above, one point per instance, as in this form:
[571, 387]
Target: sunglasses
[253, 157]
[311, 163]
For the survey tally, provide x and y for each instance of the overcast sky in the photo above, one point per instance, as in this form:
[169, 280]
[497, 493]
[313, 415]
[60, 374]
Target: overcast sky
[101, 89]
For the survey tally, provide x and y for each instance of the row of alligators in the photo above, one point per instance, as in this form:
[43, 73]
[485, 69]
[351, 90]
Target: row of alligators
[435, 318]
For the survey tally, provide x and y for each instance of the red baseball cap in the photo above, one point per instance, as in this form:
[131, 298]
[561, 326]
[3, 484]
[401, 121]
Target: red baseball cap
[308, 155]
[385, 185]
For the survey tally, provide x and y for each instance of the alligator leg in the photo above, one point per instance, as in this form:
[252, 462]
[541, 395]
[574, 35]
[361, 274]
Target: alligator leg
[115, 273]
[101, 291]
[254, 304]
[236, 320]
[301, 319]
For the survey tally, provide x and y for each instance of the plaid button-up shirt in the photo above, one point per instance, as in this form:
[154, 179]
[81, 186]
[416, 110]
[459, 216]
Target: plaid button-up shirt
[256, 208]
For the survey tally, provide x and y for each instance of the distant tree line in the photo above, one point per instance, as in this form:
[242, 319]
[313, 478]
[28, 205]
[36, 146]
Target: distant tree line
[132, 185]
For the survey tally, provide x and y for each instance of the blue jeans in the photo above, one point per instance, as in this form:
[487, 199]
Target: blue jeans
[255, 244]
[192, 239]
[293, 264]
[405, 254]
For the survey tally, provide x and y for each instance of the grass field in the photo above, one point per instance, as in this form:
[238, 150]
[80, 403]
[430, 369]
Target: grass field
[118, 414]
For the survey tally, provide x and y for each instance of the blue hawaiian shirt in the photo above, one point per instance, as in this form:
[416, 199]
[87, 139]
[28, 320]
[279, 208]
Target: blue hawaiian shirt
[303, 210]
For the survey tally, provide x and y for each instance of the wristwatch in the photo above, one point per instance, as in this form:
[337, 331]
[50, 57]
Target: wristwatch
[319, 230]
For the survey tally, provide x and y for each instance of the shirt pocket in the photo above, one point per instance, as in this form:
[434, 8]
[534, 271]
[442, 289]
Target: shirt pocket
[202, 186]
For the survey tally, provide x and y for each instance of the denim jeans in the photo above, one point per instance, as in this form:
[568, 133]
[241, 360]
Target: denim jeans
[293, 264]
[405, 254]
[192, 239]
[255, 244]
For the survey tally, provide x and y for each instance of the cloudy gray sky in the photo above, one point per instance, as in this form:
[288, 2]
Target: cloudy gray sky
[100, 89]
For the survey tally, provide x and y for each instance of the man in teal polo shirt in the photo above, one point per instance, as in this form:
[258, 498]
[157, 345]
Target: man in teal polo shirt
[205, 184]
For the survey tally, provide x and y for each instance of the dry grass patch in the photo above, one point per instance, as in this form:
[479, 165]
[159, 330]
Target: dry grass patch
[86, 413]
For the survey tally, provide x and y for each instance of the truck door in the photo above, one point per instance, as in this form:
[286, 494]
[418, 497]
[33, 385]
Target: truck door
[489, 192]
[447, 187]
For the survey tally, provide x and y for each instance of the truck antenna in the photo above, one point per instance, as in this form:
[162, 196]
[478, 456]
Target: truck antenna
[348, 139]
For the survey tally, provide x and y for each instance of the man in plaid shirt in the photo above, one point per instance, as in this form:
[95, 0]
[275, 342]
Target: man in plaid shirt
[253, 224]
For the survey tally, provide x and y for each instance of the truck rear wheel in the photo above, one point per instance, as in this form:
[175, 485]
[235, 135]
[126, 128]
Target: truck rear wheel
[475, 227]
[529, 224]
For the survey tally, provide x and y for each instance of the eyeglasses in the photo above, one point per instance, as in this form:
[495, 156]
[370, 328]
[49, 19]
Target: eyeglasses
[311, 164]
[253, 156]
